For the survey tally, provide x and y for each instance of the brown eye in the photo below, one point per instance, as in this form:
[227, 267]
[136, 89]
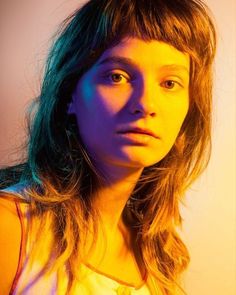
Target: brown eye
[169, 84]
[116, 77]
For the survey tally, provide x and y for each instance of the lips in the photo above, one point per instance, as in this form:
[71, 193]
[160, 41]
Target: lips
[138, 131]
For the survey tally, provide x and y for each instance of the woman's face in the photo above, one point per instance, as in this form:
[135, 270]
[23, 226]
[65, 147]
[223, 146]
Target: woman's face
[131, 103]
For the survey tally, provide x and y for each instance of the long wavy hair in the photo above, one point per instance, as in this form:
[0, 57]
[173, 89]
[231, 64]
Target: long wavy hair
[61, 175]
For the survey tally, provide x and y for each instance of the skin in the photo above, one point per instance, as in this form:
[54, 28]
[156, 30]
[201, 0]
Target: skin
[151, 91]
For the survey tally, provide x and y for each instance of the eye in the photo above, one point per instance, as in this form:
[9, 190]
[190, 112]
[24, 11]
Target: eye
[117, 78]
[170, 84]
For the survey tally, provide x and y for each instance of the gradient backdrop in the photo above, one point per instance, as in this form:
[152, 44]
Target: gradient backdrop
[209, 215]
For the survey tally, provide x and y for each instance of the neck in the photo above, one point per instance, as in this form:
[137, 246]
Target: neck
[109, 201]
[111, 198]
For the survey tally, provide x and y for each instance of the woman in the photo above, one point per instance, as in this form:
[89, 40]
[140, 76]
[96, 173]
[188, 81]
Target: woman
[121, 128]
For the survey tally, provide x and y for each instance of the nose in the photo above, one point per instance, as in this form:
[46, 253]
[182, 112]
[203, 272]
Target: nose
[143, 101]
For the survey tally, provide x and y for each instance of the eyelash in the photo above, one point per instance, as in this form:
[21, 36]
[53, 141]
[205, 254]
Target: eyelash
[114, 73]
[174, 83]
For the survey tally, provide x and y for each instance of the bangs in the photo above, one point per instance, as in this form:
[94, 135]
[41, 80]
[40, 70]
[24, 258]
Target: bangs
[181, 24]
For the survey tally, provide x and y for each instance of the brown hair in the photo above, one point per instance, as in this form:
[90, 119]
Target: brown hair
[62, 177]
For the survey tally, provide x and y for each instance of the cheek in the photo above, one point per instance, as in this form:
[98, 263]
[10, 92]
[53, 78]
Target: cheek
[174, 121]
[95, 118]
[102, 103]
[113, 99]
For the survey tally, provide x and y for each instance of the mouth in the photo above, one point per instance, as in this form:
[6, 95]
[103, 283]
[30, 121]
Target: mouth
[138, 131]
[137, 136]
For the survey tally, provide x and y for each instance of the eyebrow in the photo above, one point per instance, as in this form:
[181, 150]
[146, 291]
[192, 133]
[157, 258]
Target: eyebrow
[130, 63]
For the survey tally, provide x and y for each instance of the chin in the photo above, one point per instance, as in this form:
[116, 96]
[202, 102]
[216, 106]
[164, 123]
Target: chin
[140, 162]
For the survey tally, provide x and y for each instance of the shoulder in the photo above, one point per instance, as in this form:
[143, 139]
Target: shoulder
[10, 241]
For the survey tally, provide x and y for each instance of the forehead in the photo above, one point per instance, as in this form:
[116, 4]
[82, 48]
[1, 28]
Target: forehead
[142, 53]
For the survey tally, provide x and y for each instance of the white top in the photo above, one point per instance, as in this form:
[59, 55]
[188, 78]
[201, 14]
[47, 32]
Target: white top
[92, 281]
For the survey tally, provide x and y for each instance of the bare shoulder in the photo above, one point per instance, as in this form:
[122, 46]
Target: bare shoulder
[10, 241]
[8, 206]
